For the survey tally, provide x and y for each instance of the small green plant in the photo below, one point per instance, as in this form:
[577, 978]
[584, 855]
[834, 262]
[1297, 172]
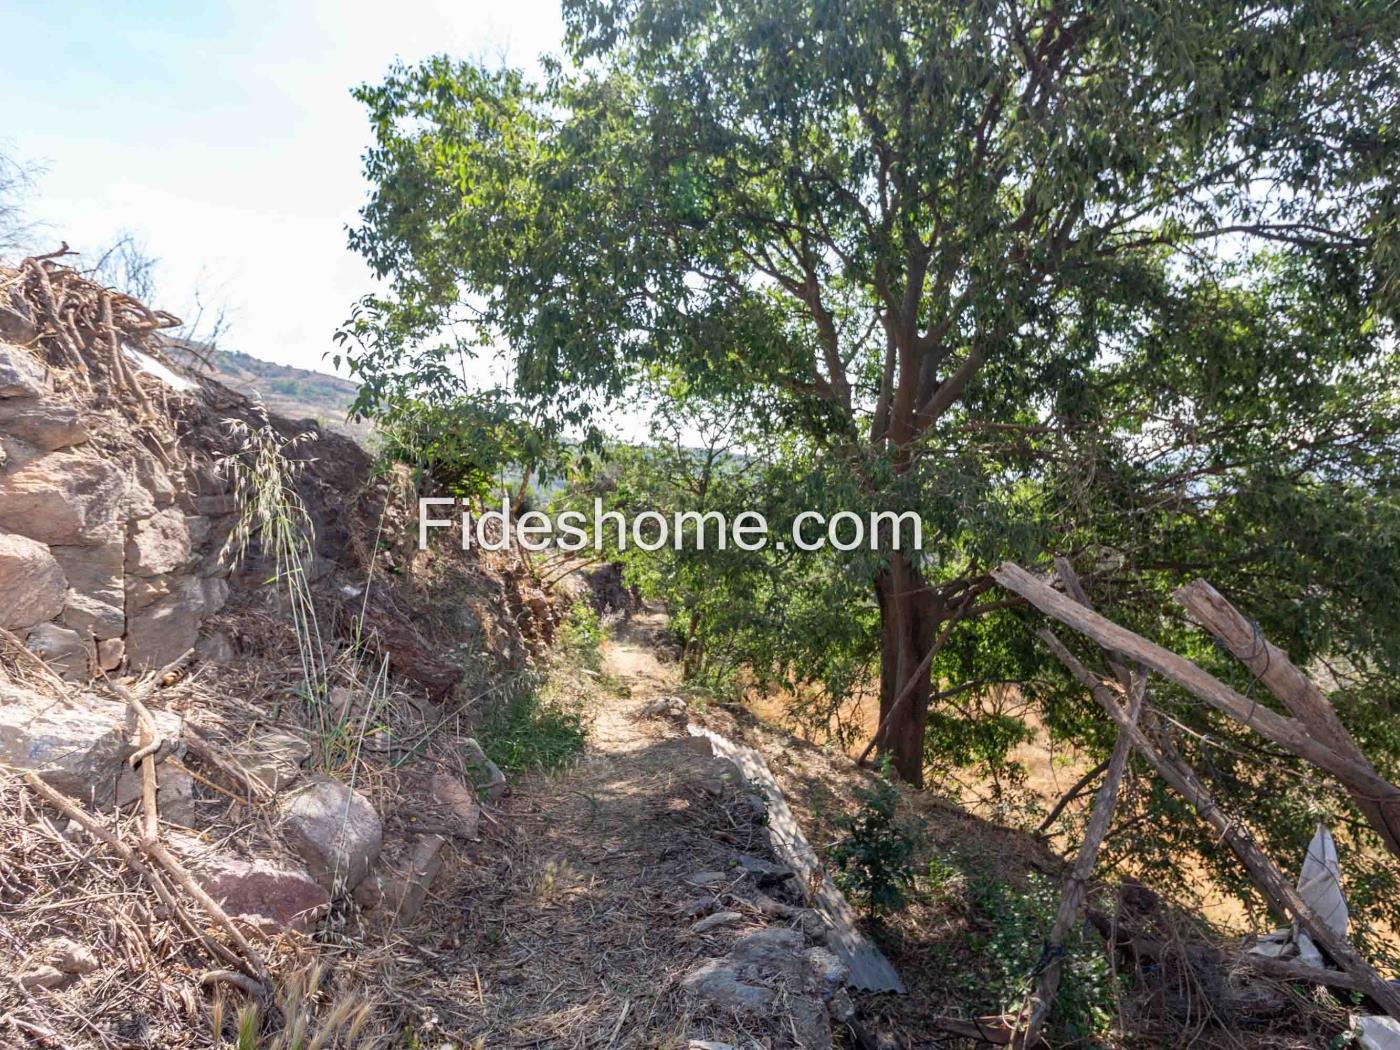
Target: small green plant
[581, 636]
[527, 730]
[875, 856]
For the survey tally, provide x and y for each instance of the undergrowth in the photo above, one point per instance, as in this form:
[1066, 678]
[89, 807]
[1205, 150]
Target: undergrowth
[1008, 936]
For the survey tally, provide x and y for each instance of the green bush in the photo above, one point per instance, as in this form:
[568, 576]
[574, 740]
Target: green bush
[1015, 924]
[875, 856]
[530, 731]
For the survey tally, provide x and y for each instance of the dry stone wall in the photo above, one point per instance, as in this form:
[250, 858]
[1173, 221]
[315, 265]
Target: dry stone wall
[107, 547]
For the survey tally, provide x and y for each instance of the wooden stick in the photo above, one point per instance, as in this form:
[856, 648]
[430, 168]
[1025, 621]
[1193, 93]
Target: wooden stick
[1295, 690]
[1278, 891]
[73, 812]
[1031, 1018]
[1286, 732]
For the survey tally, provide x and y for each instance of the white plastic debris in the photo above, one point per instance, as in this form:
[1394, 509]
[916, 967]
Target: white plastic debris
[151, 366]
[1378, 1033]
[1320, 882]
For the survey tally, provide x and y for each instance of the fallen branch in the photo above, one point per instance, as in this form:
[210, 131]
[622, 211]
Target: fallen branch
[1046, 983]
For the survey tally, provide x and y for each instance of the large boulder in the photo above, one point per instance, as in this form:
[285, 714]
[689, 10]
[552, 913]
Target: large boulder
[79, 747]
[21, 375]
[335, 830]
[96, 571]
[63, 498]
[158, 544]
[32, 585]
[90, 616]
[166, 629]
[42, 424]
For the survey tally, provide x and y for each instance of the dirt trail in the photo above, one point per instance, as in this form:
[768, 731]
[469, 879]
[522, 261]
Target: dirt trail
[578, 933]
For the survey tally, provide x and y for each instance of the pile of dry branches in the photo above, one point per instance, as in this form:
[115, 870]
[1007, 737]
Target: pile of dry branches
[82, 327]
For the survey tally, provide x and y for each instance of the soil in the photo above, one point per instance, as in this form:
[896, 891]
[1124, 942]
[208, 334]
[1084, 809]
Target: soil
[578, 932]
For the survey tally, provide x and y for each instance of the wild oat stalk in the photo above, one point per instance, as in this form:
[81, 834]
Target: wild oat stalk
[273, 514]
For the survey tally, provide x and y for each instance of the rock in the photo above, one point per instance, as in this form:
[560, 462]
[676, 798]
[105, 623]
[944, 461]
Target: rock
[696, 907]
[32, 584]
[91, 616]
[811, 923]
[110, 654]
[167, 628]
[21, 375]
[828, 972]
[15, 453]
[96, 572]
[263, 892]
[486, 774]
[411, 889]
[143, 592]
[63, 650]
[217, 648]
[215, 591]
[272, 757]
[771, 908]
[65, 498]
[174, 792]
[45, 425]
[764, 873]
[335, 830]
[841, 1008]
[79, 749]
[718, 919]
[701, 745]
[715, 982]
[68, 956]
[810, 1023]
[42, 977]
[460, 803]
[158, 544]
[154, 480]
[771, 950]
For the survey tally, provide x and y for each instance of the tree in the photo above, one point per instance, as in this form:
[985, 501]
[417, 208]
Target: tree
[896, 225]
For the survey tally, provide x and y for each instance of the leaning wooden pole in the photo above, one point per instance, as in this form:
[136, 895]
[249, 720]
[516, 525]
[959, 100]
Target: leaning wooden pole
[1295, 690]
[1046, 981]
[1281, 894]
[1289, 733]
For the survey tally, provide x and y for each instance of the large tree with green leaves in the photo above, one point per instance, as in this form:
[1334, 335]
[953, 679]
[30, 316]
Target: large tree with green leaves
[894, 226]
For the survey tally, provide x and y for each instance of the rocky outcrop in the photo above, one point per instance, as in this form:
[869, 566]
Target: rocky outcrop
[86, 507]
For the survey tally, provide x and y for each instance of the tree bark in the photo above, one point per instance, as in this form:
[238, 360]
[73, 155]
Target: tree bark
[909, 620]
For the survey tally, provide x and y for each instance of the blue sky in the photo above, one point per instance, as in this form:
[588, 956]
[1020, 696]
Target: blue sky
[225, 139]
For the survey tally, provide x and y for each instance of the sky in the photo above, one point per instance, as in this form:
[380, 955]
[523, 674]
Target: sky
[223, 137]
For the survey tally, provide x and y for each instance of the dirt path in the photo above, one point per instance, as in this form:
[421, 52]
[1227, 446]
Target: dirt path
[579, 932]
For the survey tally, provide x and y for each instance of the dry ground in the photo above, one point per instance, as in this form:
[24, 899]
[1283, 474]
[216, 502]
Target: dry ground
[570, 929]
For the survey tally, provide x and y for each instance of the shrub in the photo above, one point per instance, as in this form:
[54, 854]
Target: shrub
[875, 856]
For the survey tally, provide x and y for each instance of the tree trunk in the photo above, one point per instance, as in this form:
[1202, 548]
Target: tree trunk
[909, 622]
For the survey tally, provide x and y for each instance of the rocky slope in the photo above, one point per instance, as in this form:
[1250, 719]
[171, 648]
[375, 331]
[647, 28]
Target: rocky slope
[236, 737]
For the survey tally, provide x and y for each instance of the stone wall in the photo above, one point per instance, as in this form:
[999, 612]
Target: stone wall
[108, 539]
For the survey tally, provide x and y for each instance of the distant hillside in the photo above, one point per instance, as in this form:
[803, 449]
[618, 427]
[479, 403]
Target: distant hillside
[293, 392]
